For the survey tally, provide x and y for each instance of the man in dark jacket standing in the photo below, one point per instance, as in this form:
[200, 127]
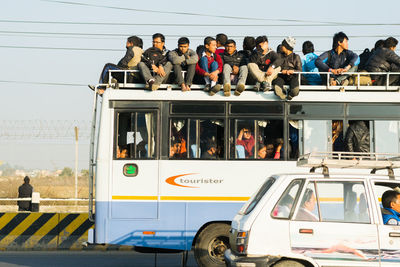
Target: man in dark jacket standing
[264, 64]
[357, 137]
[155, 59]
[338, 61]
[235, 68]
[183, 58]
[385, 60]
[290, 62]
[24, 191]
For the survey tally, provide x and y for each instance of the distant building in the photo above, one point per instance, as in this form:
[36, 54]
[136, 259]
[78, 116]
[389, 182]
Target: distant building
[20, 173]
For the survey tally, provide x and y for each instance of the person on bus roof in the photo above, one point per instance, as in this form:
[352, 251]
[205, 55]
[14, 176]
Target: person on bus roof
[264, 64]
[391, 207]
[234, 70]
[130, 61]
[290, 62]
[338, 61]
[155, 59]
[221, 39]
[385, 60]
[209, 66]
[308, 64]
[183, 58]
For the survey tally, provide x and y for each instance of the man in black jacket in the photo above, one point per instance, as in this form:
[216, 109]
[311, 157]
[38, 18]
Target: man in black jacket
[290, 63]
[155, 59]
[264, 64]
[234, 68]
[338, 61]
[25, 191]
[385, 60]
[357, 137]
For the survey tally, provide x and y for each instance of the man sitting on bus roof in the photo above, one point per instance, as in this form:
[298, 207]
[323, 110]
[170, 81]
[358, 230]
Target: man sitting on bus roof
[264, 64]
[130, 61]
[391, 207]
[338, 61]
[234, 70]
[385, 60]
[308, 64]
[155, 59]
[209, 66]
[221, 39]
[183, 58]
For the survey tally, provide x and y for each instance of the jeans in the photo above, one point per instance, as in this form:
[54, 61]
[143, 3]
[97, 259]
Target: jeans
[203, 63]
[291, 80]
[190, 70]
[340, 78]
[242, 76]
[145, 72]
[104, 74]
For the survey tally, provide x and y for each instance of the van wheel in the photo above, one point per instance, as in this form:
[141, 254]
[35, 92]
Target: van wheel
[211, 244]
[289, 263]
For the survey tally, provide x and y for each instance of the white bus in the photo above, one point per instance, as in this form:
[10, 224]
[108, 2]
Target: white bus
[171, 171]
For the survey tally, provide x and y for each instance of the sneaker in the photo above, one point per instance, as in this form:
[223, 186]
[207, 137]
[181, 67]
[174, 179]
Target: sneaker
[149, 84]
[188, 87]
[257, 87]
[215, 89]
[332, 82]
[227, 89]
[240, 87]
[266, 86]
[154, 87]
[279, 92]
[289, 97]
[207, 87]
[183, 87]
[114, 83]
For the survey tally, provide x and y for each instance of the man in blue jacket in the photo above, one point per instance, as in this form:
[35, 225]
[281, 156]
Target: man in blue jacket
[338, 61]
[391, 205]
[308, 63]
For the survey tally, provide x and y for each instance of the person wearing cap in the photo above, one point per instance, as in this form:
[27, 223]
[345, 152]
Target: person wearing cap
[264, 64]
[391, 207]
[25, 191]
[290, 63]
[338, 61]
[183, 58]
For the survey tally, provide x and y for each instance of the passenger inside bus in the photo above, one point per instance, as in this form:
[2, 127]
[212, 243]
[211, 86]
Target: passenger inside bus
[357, 137]
[246, 140]
[178, 148]
[122, 152]
[211, 152]
[337, 136]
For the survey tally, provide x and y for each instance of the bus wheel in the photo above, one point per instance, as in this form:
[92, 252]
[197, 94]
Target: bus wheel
[211, 244]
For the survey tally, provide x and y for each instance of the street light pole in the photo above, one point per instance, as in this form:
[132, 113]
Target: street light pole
[76, 162]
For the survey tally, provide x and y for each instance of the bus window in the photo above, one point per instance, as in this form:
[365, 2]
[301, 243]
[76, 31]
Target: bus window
[178, 133]
[387, 136]
[358, 136]
[135, 135]
[211, 136]
[256, 139]
[315, 135]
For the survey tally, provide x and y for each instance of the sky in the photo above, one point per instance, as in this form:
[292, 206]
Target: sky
[50, 50]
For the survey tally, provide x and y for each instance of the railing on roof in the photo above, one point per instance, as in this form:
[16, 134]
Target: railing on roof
[303, 87]
[353, 160]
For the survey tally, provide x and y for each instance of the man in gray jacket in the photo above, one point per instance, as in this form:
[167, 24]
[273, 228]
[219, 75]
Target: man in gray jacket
[183, 58]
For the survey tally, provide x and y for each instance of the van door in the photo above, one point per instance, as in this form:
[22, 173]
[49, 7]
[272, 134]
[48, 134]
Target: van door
[134, 192]
[332, 225]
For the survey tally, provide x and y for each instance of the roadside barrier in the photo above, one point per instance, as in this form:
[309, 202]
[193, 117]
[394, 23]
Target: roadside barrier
[43, 231]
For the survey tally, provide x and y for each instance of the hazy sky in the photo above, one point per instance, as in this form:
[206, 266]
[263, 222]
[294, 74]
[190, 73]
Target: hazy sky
[68, 42]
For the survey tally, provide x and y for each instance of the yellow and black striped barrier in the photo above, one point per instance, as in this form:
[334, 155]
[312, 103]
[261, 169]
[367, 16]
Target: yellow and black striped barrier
[43, 231]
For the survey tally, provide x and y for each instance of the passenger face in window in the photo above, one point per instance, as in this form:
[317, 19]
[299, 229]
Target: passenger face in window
[175, 149]
[246, 133]
[122, 153]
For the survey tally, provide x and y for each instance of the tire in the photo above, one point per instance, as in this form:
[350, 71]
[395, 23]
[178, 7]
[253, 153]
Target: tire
[211, 244]
[288, 263]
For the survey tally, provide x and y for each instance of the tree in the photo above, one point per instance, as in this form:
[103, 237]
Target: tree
[67, 172]
[85, 173]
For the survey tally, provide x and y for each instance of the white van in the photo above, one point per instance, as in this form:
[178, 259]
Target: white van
[318, 219]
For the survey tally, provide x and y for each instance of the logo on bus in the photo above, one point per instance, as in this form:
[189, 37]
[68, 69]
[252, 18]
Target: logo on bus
[182, 181]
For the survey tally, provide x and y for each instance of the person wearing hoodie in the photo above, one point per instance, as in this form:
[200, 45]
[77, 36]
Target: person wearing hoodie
[155, 59]
[290, 63]
[264, 64]
[308, 63]
[183, 58]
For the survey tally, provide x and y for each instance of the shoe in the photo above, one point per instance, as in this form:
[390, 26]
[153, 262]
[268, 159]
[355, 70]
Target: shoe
[240, 88]
[345, 83]
[188, 87]
[289, 97]
[215, 89]
[279, 92]
[91, 87]
[266, 86]
[183, 87]
[332, 82]
[207, 87]
[154, 87]
[150, 84]
[227, 89]
[114, 83]
[257, 87]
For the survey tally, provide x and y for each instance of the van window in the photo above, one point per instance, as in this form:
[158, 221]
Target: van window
[284, 207]
[308, 207]
[253, 201]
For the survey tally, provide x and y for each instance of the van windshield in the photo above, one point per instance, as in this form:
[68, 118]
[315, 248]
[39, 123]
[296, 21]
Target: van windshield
[253, 201]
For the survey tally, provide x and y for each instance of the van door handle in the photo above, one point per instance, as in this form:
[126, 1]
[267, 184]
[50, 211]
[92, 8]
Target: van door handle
[306, 231]
[394, 234]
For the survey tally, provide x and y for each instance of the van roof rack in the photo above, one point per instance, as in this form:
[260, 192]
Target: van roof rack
[354, 160]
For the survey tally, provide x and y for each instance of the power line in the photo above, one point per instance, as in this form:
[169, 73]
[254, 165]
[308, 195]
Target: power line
[43, 83]
[62, 48]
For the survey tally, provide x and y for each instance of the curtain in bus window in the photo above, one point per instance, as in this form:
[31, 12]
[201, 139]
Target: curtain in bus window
[150, 126]
[387, 136]
[315, 135]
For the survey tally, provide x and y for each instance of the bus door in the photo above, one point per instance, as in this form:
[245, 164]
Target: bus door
[135, 165]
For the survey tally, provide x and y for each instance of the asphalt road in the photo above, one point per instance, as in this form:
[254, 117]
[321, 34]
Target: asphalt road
[91, 258]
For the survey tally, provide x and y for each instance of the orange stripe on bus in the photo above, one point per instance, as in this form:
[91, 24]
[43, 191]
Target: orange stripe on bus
[204, 198]
[134, 197]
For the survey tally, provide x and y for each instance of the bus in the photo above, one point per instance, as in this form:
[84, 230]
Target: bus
[171, 168]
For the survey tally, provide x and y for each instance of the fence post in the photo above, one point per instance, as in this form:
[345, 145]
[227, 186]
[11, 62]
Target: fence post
[35, 202]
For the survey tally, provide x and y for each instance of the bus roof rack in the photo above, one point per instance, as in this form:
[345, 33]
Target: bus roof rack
[354, 160]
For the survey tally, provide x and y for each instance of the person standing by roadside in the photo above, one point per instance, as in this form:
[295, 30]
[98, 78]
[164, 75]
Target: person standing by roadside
[25, 191]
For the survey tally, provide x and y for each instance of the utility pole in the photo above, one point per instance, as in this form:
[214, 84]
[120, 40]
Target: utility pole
[76, 162]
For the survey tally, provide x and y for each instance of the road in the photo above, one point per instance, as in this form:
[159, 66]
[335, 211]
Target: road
[91, 258]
